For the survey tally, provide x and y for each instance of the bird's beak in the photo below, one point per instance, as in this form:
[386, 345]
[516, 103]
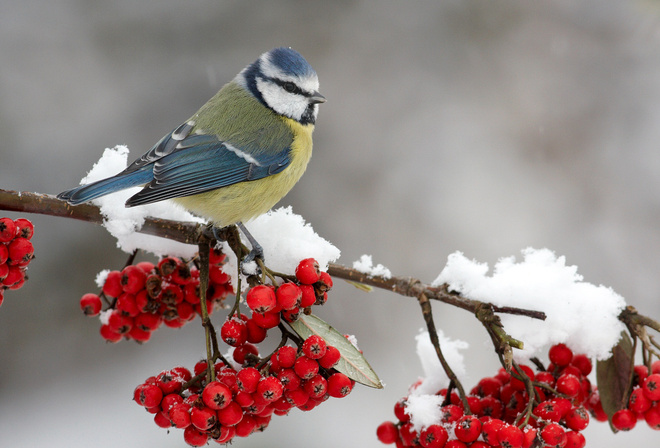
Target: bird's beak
[317, 98]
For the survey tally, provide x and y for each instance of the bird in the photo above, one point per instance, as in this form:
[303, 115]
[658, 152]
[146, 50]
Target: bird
[238, 155]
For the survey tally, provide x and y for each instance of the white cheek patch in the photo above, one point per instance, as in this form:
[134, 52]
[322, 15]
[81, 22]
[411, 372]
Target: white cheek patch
[281, 101]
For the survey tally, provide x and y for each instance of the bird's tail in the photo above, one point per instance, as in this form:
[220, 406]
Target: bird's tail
[102, 187]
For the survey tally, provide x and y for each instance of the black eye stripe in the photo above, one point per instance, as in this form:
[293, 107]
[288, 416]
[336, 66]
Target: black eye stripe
[289, 86]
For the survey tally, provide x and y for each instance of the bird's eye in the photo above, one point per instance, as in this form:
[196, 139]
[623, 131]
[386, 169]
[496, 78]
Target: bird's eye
[289, 87]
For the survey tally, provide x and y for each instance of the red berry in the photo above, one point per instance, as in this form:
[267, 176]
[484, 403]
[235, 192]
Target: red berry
[180, 415]
[218, 275]
[21, 252]
[150, 396]
[261, 299]
[547, 410]
[314, 347]
[490, 428]
[296, 397]
[554, 435]
[24, 228]
[166, 266]
[639, 402]
[652, 416]
[202, 417]
[596, 407]
[133, 279]
[325, 281]
[519, 384]
[451, 413]
[246, 426]
[306, 367]
[308, 297]
[4, 253]
[291, 315]
[146, 266]
[307, 271]
[568, 385]
[120, 323]
[467, 428]
[289, 379]
[248, 379]
[400, 410]
[216, 395]
[288, 295]
[194, 437]
[339, 385]
[583, 363]
[331, 357]
[7, 230]
[91, 304]
[577, 419]
[255, 333]
[234, 332]
[510, 436]
[266, 321]
[242, 351]
[286, 356]
[388, 433]
[655, 367]
[13, 276]
[112, 285]
[560, 355]
[529, 437]
[109, 334]
[434, 436]
[455, 443]
[652, 387]
[270, 389]
[316, 386]
[575, 439]
[162, 420]
[230, 415]
[169, 381]
[624, 420]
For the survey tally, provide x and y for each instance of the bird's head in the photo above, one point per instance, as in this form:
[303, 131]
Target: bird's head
[283, 81]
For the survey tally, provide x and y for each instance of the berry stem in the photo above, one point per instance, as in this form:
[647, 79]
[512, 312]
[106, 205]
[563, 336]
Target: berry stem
[209, 331]
[427, 313]
[523, 419]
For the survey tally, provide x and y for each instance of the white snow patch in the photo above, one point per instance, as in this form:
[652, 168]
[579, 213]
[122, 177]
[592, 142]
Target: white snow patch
[581, 315]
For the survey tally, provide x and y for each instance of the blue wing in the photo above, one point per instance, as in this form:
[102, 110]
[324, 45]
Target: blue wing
[202, 163]
[181, 164]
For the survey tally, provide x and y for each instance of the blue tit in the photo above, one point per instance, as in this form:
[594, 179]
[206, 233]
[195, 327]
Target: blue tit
[238, 155]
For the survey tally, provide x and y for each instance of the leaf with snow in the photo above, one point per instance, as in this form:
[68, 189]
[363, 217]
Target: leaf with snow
[352, 363]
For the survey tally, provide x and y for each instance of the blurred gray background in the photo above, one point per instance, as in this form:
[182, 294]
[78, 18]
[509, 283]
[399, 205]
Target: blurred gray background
[478, 126]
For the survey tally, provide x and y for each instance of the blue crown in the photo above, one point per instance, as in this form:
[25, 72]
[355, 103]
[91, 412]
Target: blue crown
[290, 61]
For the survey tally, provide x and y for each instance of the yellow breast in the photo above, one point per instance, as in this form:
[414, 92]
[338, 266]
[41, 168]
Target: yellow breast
[246, 200]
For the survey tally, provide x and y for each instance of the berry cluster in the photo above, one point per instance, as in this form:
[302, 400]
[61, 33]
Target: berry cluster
[241, 395]
[242, 400]
[643, 404]
[499, 406]
[270, 304]
[16, 252]
[143, 296]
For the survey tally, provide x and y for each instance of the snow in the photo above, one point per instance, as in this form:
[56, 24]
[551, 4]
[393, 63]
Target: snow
[101, 276]
[284, 235]
[423, 403]
[123, 222]
[581, 315]
[366, 266]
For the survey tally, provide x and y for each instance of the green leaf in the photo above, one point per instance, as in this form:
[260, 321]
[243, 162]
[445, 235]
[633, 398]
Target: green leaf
[352, 363]
[614, 376]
